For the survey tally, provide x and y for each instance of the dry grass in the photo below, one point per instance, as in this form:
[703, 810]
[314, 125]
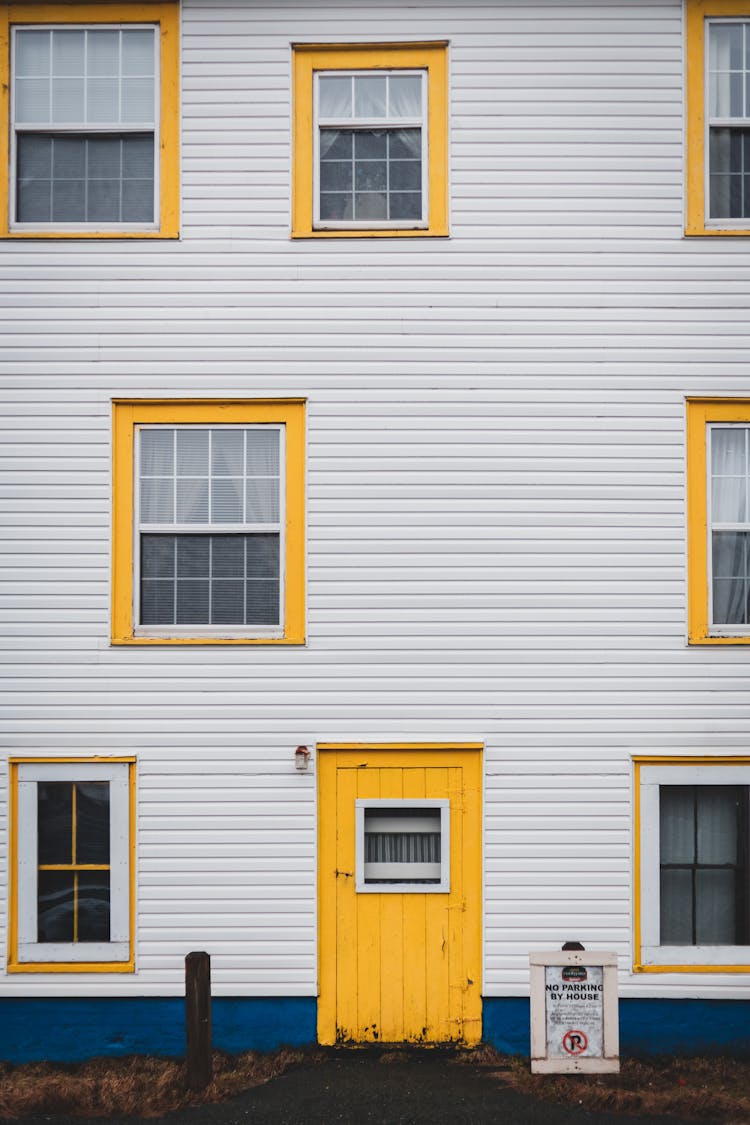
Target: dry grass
[704, 1088]
[138, 1086]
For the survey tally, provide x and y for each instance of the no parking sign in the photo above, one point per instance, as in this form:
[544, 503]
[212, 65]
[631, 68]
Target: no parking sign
[574, 1024]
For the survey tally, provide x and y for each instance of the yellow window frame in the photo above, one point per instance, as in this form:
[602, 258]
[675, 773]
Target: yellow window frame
[164, 12]
[697, 12]
[639, 907]
[14, 965]
[700, 413]
[311, 57]
[130, 413]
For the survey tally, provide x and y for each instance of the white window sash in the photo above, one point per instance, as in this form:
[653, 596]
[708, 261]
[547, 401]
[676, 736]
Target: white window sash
[716, 122]
[153, 127]
[409, 871]
[717, 525]
[652, 778]
[355, 123]
[118, 776]
[228, 632]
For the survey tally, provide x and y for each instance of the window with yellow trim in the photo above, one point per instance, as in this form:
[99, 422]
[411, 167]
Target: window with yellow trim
[693, 902]
[718, 117]
[370, 140]
[208, 522]
[718, 452]
[72, 890]
[93, 120]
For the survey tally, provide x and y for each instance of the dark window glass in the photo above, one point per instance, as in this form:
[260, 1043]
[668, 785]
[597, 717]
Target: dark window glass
[55, 822]
[92, 822]
[93, 906]
[55, 906]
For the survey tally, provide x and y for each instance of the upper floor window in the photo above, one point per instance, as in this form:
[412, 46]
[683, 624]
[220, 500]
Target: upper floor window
[718, 126]
[93, 123]
[208, 522]
[719, 521]
[370, 140]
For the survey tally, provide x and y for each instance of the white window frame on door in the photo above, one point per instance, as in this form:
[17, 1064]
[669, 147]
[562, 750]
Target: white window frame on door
[363, 804]
[117, 949]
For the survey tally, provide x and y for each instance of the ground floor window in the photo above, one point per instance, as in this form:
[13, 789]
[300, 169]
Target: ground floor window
[693, 864]
[71, 824]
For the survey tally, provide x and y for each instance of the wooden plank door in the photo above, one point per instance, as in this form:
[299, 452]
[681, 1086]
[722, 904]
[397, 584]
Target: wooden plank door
[405, 965]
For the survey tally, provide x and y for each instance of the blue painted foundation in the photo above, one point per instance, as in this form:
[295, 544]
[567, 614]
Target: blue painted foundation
[69, 1030]
[647, 1027]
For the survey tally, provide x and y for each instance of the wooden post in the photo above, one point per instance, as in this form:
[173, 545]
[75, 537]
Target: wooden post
[198, 1061]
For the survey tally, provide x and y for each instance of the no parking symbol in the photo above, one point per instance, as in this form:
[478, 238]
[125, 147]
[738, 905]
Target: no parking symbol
[575, 1042]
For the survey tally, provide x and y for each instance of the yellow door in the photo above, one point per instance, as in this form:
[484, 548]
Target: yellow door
[400, 956]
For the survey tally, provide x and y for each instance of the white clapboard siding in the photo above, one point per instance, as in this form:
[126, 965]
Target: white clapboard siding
[495, 483]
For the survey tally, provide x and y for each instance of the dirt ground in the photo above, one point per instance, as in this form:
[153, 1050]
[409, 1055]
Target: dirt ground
[375, 1087]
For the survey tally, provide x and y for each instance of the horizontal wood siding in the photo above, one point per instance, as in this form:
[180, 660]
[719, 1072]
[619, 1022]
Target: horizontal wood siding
[495, 489]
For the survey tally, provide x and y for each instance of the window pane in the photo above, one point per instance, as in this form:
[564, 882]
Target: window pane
[157, 452]
[334, 96]
[369, 96]
[157, 501]
[405, 95]
[93, 906]
[138, 52]
[729, 161]
[55, 822]
[104, 201]
[336, 207]
[370, 205]
[157, 602]
[104, 54]
[55, 906]
[32, 100]
[192, 501]
[193, 556]
[729, 554]
[336, 175]
[227, 452]
[262, 501]
[715, 922]
[730, 601]
[729, 451]
[725, 46]
[103, 100]
[138, 105]
[228, 556]
[227, 602]
[32, 53]
[92, 822]
[262, 556]
[192, 453]
[263, 452]
[370, 144]
[68, 101]
[677, 824]
[729, 499]
[676, 907]
[262, 602]
[405, 205]
[68, 53]
[718, 812]
[226, 501]
[158, 556]
[193, 602]
[336, 144]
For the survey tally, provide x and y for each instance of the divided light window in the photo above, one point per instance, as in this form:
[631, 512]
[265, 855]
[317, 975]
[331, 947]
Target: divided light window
[728, 119]
[729, 528]
[371, 162]
[704, 865]
[71, 822]
[85, 127]
[210, 530]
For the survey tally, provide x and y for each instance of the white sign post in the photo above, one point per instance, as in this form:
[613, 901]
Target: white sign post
[574, 1021]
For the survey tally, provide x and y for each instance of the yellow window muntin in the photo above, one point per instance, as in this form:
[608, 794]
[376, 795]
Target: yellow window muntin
[698, 15]
[701, 414]
[164, 13]
[127, 416]
[643, 853]
[312, 58]
[15, 964]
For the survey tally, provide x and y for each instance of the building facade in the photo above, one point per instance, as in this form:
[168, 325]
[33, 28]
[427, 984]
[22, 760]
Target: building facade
[375, 401]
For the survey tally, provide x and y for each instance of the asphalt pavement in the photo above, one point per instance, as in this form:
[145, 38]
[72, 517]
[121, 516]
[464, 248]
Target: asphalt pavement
[382, 1088]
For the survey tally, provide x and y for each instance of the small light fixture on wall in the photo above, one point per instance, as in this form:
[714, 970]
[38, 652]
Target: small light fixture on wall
[301, 758]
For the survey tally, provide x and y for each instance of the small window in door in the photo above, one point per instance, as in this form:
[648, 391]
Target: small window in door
[403, 846]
